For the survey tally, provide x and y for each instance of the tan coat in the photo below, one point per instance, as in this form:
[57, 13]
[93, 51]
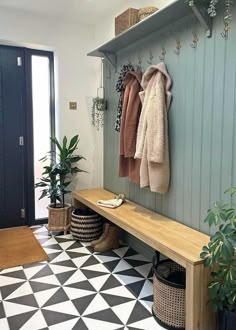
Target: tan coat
[152, 140]
[128, 166]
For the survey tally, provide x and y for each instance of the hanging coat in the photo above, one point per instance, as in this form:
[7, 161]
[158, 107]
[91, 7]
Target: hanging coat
[152, 140]
[120, 89]
[128, 166]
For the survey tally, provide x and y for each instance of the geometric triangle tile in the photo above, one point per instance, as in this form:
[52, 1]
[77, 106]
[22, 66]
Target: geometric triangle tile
[2, 313]
[80, 325]
[57, 269]
[84, 285]
[58, 297]
[61, 257]
[53, 256]
[6, 280]
[62, 278]
[51, 279]
[137, 257]
[91, 274]
[50, 241]
[138, 313]
[16, 274]
[82, 303]
[63, 239]
[77, 277]
[73, 293]
[65, 307]
[121, 251]
[97, 268]
[126, 279]
[45, 271]
[136, 287]
[12, 309]
[146, 323]
[8, 289]
[81, 249]
[90, 261]
[65, 263]
[95, 324]
[106, 315]
[115, 300]
[120, 291]
[43, 296]
[80, 260]
[123, 311]
[36, 322]
[111, 282]
[130, 272]
[4, 324]
[67, 325]
[28, 300]
[50, 251]
[99, 282]
[75, 245]
[111, 265]
[66, 245]
[147, 290]
[121, 266]
[103, 259]
[74, 255]
[136, 263]
[9, 270]
[147, 304]
[30, 272]
[144, 270]
[16, 322]
[97, 304]
[130, 252]
[55, 317]
[37, 287]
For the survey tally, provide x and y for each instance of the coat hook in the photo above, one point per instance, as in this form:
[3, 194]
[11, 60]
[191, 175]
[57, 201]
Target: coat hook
[195, 40]
[163, 53]
[226, 32]
[150, 58]
[178, 46]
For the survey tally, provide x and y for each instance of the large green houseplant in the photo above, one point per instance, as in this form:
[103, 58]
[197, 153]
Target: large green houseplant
[220, 257]
[57, 175]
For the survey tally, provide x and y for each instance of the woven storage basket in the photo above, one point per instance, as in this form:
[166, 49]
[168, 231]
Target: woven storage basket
[168, 296]
[145, 12]
[125, 20]
[86, 225]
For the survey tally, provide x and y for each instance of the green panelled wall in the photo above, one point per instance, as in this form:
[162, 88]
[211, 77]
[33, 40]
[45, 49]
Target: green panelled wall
[201, 120]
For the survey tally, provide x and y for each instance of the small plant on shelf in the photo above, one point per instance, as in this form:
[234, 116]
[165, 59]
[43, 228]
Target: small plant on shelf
[220, 257]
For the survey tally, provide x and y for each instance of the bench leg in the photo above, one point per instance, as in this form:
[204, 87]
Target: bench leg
[198, 314]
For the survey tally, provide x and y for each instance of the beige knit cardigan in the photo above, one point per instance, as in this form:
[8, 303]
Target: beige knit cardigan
[152, 139]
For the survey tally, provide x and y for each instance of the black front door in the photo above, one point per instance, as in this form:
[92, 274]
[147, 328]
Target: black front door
[12, 137]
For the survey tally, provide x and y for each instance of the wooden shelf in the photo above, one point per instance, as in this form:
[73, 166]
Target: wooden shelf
[160, 19]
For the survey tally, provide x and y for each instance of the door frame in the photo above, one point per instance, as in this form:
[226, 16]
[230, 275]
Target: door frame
[29, 128]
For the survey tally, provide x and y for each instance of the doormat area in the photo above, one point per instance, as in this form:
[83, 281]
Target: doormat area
[18, 247]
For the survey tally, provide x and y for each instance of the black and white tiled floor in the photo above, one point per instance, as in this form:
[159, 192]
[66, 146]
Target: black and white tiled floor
[77, 289]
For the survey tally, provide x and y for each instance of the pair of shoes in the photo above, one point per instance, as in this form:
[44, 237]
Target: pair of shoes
[108, 240]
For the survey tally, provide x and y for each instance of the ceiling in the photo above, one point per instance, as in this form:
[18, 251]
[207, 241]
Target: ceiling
[72, 10]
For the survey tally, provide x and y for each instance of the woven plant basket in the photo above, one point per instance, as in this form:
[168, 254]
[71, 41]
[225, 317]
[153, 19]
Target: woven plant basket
[59, 218]
[168, 294]
[145, 12]
[125, 20]
[86, 225]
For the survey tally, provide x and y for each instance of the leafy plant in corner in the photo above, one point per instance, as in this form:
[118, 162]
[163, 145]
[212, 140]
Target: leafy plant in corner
[57, 176]
[220, 255]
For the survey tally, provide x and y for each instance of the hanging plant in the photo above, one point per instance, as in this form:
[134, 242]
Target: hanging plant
[99, 105]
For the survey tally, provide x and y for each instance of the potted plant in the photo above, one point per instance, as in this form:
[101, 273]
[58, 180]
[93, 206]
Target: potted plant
[56, 177]
[220, 257]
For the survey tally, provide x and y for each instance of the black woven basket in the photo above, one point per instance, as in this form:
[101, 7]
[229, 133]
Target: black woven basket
[86, 225]
[168, 293]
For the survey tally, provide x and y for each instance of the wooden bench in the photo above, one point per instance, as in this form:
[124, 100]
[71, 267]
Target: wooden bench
[174, 240]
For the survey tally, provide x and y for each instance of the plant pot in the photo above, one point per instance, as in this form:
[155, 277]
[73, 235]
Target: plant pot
[227, 320]
[59, 218]
[86, 225]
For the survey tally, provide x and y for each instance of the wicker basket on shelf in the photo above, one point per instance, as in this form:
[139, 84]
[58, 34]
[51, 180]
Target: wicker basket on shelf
[125, 20]
[146, 11]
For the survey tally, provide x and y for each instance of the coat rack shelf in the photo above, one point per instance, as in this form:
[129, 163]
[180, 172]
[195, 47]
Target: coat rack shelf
[160, 19]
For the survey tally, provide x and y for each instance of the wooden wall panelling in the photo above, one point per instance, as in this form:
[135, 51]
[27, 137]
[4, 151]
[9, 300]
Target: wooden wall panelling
[201, 121]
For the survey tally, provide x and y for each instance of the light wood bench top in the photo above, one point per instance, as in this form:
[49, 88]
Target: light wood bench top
[171, 238]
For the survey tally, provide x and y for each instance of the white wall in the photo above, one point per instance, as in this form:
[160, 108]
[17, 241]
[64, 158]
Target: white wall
[74, 79]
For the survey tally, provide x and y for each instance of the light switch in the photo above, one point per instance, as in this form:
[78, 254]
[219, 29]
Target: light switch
[73, 105]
